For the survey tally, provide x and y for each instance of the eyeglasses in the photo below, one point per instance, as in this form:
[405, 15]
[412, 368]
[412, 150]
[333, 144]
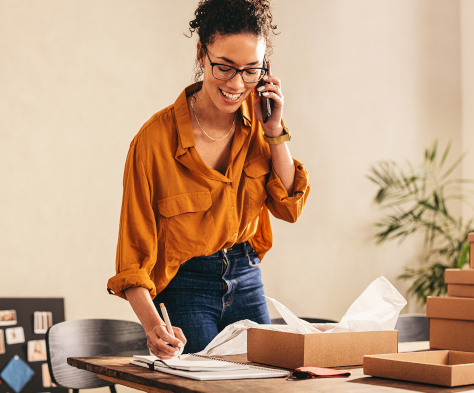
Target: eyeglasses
[225, 72]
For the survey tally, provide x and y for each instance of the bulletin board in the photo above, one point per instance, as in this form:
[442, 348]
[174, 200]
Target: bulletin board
[31, 314]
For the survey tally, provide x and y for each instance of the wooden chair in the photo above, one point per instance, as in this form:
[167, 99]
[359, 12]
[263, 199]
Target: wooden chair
[90, 337]
[413, 327]
[310, 320]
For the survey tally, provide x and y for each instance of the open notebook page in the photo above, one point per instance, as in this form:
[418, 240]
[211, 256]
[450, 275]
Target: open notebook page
[192, 363]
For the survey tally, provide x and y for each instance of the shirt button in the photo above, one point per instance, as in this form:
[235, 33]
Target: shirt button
[234, 234]
[232, 208]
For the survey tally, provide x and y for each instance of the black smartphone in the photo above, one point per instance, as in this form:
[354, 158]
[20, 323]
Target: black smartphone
[266, 103]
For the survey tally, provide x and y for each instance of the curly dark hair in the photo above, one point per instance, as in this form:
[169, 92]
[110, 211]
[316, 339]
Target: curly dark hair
[226, 17]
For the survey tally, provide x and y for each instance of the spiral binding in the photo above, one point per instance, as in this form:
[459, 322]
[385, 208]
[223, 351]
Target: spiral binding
[228, 361]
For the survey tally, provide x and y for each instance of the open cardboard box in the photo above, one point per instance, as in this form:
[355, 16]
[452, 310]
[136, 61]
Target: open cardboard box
[446, 368]
[293, 350]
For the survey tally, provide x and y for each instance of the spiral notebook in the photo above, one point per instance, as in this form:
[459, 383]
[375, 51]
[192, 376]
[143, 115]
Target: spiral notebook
[203, 368]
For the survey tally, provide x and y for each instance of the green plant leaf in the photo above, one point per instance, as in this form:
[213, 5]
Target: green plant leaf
[416, 200]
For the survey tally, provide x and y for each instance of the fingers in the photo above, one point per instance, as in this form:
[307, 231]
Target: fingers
[158, 340]
[273, 85]
[272, 92]
[180, 336]
[272, 80]
[268, 90]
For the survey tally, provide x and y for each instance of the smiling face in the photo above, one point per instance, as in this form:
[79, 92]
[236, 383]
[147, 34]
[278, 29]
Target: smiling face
[239, 51]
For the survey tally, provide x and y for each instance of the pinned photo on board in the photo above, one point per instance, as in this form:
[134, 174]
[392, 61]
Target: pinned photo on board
[47, 383]
[2, 342]
[15, 335]
[43, 320]
[8, 317]
[37, 351]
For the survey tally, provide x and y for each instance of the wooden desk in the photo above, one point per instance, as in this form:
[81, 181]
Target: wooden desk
[119, 371]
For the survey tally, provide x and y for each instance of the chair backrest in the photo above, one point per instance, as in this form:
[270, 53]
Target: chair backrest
[413, 327]
[90, 337]
[310, 320]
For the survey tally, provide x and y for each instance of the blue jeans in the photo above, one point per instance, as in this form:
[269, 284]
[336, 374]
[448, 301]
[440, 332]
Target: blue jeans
[209, 293]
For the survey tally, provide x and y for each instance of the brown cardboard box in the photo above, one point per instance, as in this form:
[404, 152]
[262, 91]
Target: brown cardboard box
[470, 239]
[451, 322]
[450, 308]
[460, 282]
[459, 276]
[460, 290]
[452, 334]
[435, 367]
[292, 350]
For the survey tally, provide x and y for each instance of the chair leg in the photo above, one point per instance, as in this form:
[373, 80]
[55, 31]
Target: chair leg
[112, 389]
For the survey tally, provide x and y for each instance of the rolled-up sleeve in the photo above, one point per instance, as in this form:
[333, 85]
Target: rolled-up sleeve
[283, 206]
[137, 243]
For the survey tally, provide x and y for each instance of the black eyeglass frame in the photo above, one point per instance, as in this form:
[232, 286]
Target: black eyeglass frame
[236, 70]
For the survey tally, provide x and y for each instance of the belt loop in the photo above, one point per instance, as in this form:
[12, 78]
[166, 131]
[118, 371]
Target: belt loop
[246, 253]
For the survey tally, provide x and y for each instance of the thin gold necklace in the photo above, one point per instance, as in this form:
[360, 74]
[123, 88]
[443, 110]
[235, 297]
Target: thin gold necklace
[205, 133]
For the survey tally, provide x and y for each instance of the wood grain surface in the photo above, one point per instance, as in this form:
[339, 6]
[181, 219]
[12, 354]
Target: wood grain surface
[140, 378]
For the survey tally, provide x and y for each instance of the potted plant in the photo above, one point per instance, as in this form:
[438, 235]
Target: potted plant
[417, 200]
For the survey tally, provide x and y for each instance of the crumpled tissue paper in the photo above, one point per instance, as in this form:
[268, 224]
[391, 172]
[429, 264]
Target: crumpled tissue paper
[377, 308]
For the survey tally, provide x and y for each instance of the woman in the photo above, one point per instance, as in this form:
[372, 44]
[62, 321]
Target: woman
[200, 178]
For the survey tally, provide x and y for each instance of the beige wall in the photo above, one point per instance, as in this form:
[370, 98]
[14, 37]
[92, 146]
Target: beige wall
[368, 80]
[363, 81]
[467, 75]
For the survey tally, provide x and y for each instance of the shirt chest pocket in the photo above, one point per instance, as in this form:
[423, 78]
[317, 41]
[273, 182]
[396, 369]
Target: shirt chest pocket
[257, 172]
[187, 226]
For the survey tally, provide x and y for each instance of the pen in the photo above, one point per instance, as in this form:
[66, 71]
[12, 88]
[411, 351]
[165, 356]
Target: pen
[167, 320]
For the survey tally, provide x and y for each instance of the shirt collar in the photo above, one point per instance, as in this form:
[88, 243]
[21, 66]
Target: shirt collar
[183, 121]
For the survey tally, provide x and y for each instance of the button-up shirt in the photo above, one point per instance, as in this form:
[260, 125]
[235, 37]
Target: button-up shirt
[175, 207]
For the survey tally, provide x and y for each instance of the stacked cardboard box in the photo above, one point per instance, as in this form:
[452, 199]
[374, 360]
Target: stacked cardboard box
[452, 317]
[451, 329]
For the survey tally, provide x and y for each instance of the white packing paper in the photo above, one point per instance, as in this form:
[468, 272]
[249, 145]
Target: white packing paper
[377, 308]
[299, 325]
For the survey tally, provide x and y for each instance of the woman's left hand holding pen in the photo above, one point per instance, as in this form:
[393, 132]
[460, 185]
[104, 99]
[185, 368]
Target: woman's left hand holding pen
[156, 332]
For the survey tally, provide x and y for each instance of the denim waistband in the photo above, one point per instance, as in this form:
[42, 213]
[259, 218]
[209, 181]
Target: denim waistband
[213, 264]
[236, 249]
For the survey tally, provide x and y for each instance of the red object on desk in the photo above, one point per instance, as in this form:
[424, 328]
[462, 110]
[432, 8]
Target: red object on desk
[317, 372]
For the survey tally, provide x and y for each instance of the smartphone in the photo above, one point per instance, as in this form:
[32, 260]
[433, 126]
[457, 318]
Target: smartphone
[266, 103]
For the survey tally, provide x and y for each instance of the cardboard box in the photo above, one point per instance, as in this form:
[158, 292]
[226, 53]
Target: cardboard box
[470, 239]
[452, 334]
[446, 368]
[292, 350]
[450, 308]
[459, 276]
[460, 290]
[451, 323]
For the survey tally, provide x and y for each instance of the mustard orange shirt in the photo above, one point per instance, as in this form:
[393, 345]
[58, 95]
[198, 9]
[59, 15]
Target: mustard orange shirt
[175, 207]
